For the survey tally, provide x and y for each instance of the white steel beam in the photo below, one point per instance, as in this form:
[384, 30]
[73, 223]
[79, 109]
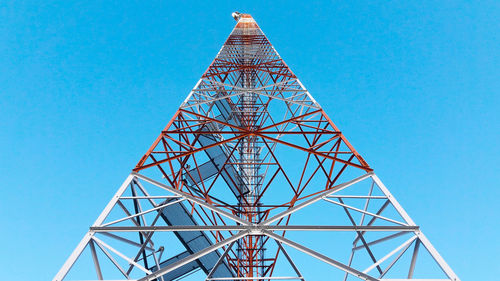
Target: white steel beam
[406, 243]
[145, 212]
[123, 240]
[96, 261]
[194, 256]
[285, 253]
[192, 199]
[83, 243]
[383, 239]
[221, 258]
[129, 260]
[364, 212]
[254, 228]
[319, 256]
[315, 199]
[427, 244]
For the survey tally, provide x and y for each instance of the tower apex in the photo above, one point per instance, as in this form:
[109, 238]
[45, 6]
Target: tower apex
[236, 15]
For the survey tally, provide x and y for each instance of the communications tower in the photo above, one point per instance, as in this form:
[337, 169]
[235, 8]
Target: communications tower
[251, 180]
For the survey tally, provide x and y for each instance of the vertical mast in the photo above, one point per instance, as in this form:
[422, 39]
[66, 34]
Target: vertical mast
[250, 252]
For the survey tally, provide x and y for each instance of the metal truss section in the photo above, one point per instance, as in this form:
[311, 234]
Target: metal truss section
[243, 182]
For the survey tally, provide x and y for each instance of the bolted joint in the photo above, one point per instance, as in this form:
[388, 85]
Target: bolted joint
[255, 230]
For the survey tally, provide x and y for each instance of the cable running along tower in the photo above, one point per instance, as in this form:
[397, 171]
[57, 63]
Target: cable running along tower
[251, 180]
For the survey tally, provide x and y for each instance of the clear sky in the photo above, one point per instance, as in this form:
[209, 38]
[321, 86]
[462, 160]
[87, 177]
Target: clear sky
[86, 86]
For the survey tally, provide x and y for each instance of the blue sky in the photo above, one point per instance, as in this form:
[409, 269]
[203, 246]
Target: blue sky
[86, 86]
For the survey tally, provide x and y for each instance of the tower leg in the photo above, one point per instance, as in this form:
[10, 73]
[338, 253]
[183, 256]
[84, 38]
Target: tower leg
[422, 238]
[86, 239]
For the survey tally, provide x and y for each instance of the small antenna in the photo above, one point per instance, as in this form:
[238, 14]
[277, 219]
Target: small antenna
[236, 15]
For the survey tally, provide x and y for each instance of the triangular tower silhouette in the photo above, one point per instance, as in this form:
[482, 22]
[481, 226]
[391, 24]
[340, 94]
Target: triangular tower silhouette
[244, 183]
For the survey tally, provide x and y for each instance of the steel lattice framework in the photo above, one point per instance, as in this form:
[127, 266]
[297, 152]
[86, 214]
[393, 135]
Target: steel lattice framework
[247, 151]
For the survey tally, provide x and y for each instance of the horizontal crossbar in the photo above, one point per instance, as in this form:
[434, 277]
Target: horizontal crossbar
[252, 228]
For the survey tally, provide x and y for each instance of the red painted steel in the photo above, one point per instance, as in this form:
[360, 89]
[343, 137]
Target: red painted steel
[254, 85]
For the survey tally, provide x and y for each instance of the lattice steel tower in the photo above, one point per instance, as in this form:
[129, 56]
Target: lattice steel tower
[251, 180]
